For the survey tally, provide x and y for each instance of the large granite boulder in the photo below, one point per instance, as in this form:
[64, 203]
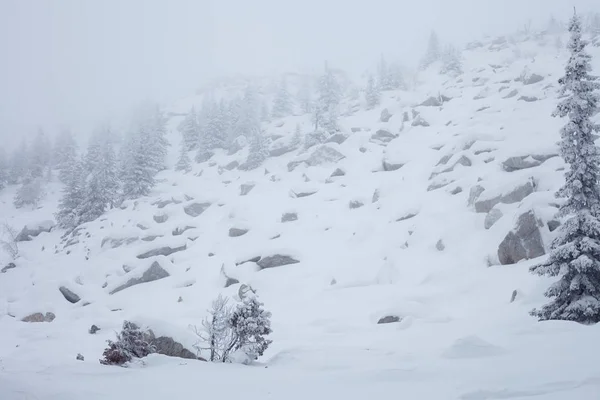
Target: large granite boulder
[195, 209]
[276, 260]
[523, 242]
[168, 346]
[512, 164]
[324, 154]
[154, 273]
[514, 196]
[30, 231]
[385, 115]
[383, 136]
[492, 217]
[245, 188]
[39, 317]
[161, 251]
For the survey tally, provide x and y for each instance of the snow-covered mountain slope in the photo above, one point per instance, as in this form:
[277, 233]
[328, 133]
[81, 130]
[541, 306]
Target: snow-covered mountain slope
[400, 232]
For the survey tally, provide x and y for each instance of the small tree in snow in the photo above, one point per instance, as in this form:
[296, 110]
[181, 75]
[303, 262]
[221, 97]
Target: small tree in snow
[216, 335]
[282, 105]
[73, 195]
[131, 343]
[258, 152]
[575, 256]
[451, 61]
[184, 163]
[297, 139]
[30, 193]
[433, 52]
[9, 241]
[372, 93]
[190, 130]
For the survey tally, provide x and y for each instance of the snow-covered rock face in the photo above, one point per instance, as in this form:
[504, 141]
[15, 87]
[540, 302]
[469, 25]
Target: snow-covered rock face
[394, 219]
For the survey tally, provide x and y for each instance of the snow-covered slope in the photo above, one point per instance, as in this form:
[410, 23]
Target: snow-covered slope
[398, 234]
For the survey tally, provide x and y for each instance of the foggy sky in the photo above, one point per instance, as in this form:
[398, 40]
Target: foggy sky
[79, 62]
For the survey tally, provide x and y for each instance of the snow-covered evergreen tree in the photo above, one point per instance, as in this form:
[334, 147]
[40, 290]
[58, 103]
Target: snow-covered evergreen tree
[282, 104]
[19, 164]
[183, 163]
[190, 130]
[102, 182]
[575, 256]
[215, 136]
[216, 335]
[258, 152]
[251, 324]
[131, 343]
[157, 145]
[451, 61]
[433, 53]
[3, 169]
[137, 173]
[325, 113]
[372, 93]
[304, 96]
[65, 154]
[40, 156]
[297, 138]
[30, 193]
[73, 194]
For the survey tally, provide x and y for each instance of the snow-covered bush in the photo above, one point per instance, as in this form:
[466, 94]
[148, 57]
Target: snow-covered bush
[235, 333]
[9, 241]
[30, 193]
[131, 343]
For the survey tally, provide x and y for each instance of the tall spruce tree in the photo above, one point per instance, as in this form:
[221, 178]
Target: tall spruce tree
[183, 163]
[433, 53]
[451, 61]
[190, 130]
[3, 169]
[19, 165]
[325, 112]
[40, 155]
[258, 151]
[372, 93]
[65, 154]
[73, 194]
[282, 104]
[575, 256]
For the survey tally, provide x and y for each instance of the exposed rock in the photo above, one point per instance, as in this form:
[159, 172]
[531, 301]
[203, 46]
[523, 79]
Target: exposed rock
[431, 102]
[444, 160]
[7, 267]
[355, 129]
[288, 217]
[162, 203]
[375, 197]
[280, 148]
[150, 238]
[524, 242]
[407, 216]
[276, 260]
[314, 138]
[33, 230]
[552, 225]
[117, 242]
[514, 196]
[492, 217]
[438, 185]
[203, 157]
[529, 99]
[168, 346]
[231, 282]
[324, 154]
[355, 204]
[195, 209]
[362, 149]
[522, 162]
[79, 357]
[159, 219]
[39, 317]
[179, 230]
[388, 166]
[69, 295]
[236, 232]
[383, 136]
[440, 246]
[513, 296]
[389, 319]
[415, 113]
[512, 94]
[93, 329]
[253, 259]
[142, 227]
[245, 188]
[232, 165]
[420, 121]
[303, 193]
[338, 138]
[154, 273]
[293, 164]
[385, 115]
[161, 251]
[405, 117]
[456, 190]
[238, 144]
[337, 172]
[534, 78]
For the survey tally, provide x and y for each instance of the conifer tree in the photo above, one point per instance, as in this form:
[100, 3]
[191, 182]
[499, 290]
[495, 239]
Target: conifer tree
[3, 169]
[40, 156]
[304, 96]
[72, 195]
[575, 255]
[190, 130]
[65, 154]
[282, 105]
[326, 110]
[372, 93]
[19, 164]
[297, 139]
[258, 152]
[433, 52]
[451, 61]
[184, 163]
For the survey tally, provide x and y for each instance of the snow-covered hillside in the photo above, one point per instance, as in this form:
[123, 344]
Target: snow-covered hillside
[408, 218]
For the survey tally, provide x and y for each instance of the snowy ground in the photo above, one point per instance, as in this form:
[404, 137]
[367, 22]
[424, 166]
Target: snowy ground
[460, 337]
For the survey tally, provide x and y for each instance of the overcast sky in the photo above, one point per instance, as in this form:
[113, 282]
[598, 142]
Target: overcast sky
[77, 62]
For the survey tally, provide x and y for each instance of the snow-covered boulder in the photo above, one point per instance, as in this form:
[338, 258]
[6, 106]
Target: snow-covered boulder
[69, 295]
[161, 251]
[288, 217]
[523, 242]
[276, 260]
[338, 138]
[39, 317]
[512, 164]
[492, 217]
[431, 102]
[195, 209]
[154, 273]
[161, 218]
[514, 196]
[30, 231]
[323, 155]
[236, 232]
[168, 346]
[385, 115]
[383, 136]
